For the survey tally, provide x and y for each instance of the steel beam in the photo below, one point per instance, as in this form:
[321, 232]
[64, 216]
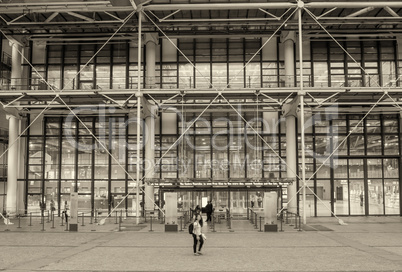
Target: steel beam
[220, 6]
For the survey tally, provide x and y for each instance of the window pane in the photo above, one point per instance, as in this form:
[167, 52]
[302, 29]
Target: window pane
[356, 168]
[391, 196]
[375, 191]
[391, 168]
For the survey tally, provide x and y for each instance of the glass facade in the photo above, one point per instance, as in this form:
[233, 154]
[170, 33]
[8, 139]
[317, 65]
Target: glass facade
[361, 178]
[219, 63]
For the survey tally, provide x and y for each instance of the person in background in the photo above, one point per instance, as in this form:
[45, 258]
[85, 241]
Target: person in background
[52, 207]
[252, 201]
[66, 211]
[197, 234]
[209, 209]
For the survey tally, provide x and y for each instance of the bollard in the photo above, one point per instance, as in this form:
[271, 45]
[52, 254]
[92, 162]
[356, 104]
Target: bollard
[181, 223]
[230, 224]
[121, 215]
[120, 224]
[96, 218]
[287, 221]
[213, 224]
[82, 223]
[255, 221]
[52, 220]
[151, 224]
[66, 223]
[260, 224]
[43, 223]
[62, 219]
[281, 230]
[116, 218]
[7, 229]
[291, 224]
[295, 221]
[299, 224]
[48, 217]
[19, 222]
[30, 219]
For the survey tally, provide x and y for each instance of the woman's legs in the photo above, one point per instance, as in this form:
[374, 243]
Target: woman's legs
[195, 243]
[201, 243]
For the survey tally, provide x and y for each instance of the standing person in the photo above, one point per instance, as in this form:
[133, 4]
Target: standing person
[52, 207]
[197, 234]
[259, 201]
[252, 201]
[66, 211]
[209, 209]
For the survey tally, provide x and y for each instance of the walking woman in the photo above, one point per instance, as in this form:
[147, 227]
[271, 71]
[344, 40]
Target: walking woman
[197, 234]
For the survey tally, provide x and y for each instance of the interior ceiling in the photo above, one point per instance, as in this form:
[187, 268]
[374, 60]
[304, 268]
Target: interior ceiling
[55, 20]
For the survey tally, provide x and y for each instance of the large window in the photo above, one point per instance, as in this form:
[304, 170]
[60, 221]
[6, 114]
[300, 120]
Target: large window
[360, 178]
[355, 64]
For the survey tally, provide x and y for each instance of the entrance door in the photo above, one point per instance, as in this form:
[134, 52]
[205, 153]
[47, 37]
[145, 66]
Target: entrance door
[238, 203]
[357, 197]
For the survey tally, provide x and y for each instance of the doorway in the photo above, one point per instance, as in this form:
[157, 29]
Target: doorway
[237, 201]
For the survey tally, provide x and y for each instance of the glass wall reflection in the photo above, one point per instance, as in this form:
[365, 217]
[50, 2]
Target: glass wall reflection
[361, 178]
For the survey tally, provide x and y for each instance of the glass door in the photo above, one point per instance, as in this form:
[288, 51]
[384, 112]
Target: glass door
[391, 196]
[238, 203]
[357, 197]
[375, 197]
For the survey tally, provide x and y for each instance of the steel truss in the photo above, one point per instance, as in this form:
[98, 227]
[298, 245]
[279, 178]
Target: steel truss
[273, 97]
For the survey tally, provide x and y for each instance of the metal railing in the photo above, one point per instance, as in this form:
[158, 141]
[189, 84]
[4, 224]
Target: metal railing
[281, 81]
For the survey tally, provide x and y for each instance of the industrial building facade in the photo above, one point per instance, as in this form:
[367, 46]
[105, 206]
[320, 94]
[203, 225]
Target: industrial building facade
[221, 105]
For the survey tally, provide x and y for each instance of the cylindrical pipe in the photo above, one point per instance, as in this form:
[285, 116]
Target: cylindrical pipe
[12, 162]
[138, 118]
[301, 95]
[289, 63]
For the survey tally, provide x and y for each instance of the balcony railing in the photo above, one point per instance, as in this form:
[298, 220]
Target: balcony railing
[281, 81]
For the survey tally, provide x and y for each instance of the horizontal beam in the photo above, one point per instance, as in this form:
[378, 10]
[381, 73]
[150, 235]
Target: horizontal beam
[220, 6]
[354, 4]
[283, 5]
[54, 3]
[202, 92]
[80, 8]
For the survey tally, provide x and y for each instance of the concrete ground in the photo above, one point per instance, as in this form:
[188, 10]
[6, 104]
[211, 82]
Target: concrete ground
[365, 244]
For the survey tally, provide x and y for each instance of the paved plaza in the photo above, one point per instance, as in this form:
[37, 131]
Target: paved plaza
[364, 244]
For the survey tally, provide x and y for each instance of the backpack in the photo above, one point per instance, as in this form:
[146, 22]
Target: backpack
[190, 228]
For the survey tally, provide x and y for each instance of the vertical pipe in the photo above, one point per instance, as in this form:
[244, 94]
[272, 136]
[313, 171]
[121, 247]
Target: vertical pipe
[301, 95]
[138, 117]
[12, 169]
